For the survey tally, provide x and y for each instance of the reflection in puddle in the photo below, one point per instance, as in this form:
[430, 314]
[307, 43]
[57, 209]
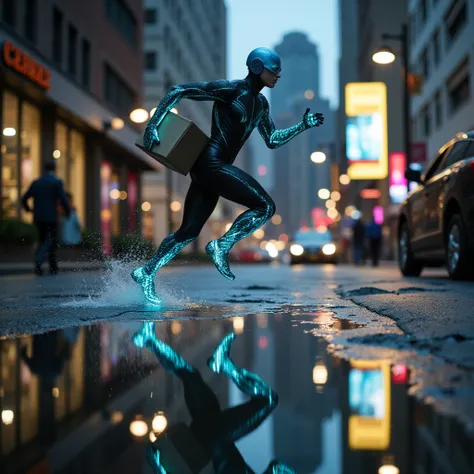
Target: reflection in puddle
[210, 438]
[85, 400]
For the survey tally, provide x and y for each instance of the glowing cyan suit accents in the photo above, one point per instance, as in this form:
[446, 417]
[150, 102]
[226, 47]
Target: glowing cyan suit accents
[169, 359]
[238, 109]
[145, 276]
[215, 430]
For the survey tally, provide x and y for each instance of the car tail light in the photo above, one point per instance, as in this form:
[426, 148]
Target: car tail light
[471, 165]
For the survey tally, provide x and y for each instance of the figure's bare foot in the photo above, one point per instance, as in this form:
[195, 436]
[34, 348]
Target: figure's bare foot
[220, 258]
[147, 284]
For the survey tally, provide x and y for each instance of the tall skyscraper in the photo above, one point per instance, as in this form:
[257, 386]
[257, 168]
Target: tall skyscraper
[297, 178]
[300, 73]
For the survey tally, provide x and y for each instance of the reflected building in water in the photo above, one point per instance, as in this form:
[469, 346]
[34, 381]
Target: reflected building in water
[304, 406]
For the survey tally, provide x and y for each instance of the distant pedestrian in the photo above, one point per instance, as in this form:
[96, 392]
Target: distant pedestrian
[71, 226]
[374, 236]
[358, 239]
[46, 192]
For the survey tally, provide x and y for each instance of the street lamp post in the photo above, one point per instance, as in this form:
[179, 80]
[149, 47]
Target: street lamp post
[385, 56]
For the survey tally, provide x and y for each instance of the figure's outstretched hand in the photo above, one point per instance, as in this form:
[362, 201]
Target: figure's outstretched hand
[150, 137]
[312, 120]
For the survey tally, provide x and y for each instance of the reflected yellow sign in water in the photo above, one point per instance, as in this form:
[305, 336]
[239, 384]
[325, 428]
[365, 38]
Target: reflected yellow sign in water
[366, 130]
[370, 404]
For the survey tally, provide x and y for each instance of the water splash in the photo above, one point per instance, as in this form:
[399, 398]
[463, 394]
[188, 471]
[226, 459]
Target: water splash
[117, 289]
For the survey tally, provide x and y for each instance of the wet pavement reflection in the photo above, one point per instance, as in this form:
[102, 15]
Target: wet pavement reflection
[182, 396]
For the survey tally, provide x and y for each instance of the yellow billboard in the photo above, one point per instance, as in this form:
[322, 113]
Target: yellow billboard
[370, 404]
[366, 130]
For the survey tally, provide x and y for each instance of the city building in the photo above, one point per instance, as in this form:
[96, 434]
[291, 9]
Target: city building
[297, 178]
[70, 76]
[442, 51]
[183, 43]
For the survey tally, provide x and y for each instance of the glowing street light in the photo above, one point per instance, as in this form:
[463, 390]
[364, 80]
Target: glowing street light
[139, 115]
[324, 193]
[318, 157]
[320, 374]
[344, 179]
[159, 423]
[7, 417]
[138, 427]
[383, 55]
[388, 469]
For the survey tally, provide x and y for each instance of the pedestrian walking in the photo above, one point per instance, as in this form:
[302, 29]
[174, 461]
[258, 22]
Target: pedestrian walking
[239, 108]
[374, 236]
[46, 191]
[358, 240]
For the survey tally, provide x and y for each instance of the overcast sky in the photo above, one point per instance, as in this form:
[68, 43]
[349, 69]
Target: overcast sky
[253, 23]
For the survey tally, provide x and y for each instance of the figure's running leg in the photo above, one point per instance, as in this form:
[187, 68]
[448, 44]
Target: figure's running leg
[234, 184]
[198, 206]
[241, 420]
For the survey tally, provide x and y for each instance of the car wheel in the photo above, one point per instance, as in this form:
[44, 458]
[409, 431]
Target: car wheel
[408, 265]
[457, 252]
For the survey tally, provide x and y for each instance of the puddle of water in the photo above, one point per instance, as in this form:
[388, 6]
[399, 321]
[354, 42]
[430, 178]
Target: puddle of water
[86, 399]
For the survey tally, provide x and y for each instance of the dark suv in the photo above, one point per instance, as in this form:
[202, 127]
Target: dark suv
[436, 224]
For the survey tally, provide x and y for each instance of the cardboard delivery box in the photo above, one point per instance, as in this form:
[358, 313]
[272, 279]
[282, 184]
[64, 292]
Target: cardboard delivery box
[181, 143]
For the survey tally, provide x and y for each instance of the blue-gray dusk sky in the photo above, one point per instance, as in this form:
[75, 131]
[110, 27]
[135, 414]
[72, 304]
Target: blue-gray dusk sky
[253, 23]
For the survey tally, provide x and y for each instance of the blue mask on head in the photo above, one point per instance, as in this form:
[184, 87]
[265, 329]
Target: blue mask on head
[261, 58]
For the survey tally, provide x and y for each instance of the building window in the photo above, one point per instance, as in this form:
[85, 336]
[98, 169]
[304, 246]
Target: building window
[122, 18]
[57, 35]
[150, 60]
[455, 20]
[71, 50]
[86, 63]
[425, 60]
[438, 109]
[458, 86]
[116, 93]
[9, 12]
[150, 16]
[426, 121]
[30, 20]
[436, 48]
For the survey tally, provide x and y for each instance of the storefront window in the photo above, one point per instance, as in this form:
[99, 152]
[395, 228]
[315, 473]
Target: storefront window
[30, 149]
[77, 173]
[9, 150]
[60, 153]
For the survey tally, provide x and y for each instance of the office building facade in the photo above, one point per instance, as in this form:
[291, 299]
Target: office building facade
[442, 51]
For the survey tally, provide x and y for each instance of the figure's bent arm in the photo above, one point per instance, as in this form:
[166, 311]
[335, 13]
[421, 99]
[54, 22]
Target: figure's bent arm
[215, 90]
[274, 138]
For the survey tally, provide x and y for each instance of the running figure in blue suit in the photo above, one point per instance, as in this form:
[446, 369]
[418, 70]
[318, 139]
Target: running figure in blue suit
[239, 107]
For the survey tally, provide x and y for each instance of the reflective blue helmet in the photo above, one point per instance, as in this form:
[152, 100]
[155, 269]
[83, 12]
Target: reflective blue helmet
[266, 58]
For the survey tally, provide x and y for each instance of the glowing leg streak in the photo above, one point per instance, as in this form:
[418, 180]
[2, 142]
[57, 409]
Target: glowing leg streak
[145, 276]
[246, 224]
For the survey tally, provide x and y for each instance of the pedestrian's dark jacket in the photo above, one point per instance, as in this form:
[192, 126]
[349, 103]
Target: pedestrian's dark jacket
[46, 191]
[374, 230]
[358, 233]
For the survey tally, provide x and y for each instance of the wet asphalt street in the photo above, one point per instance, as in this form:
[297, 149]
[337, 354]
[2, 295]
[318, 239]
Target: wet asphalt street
[369, 368]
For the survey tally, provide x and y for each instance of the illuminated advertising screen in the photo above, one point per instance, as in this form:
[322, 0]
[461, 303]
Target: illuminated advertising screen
[369, 404]
[366, 130]
[364, 138]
